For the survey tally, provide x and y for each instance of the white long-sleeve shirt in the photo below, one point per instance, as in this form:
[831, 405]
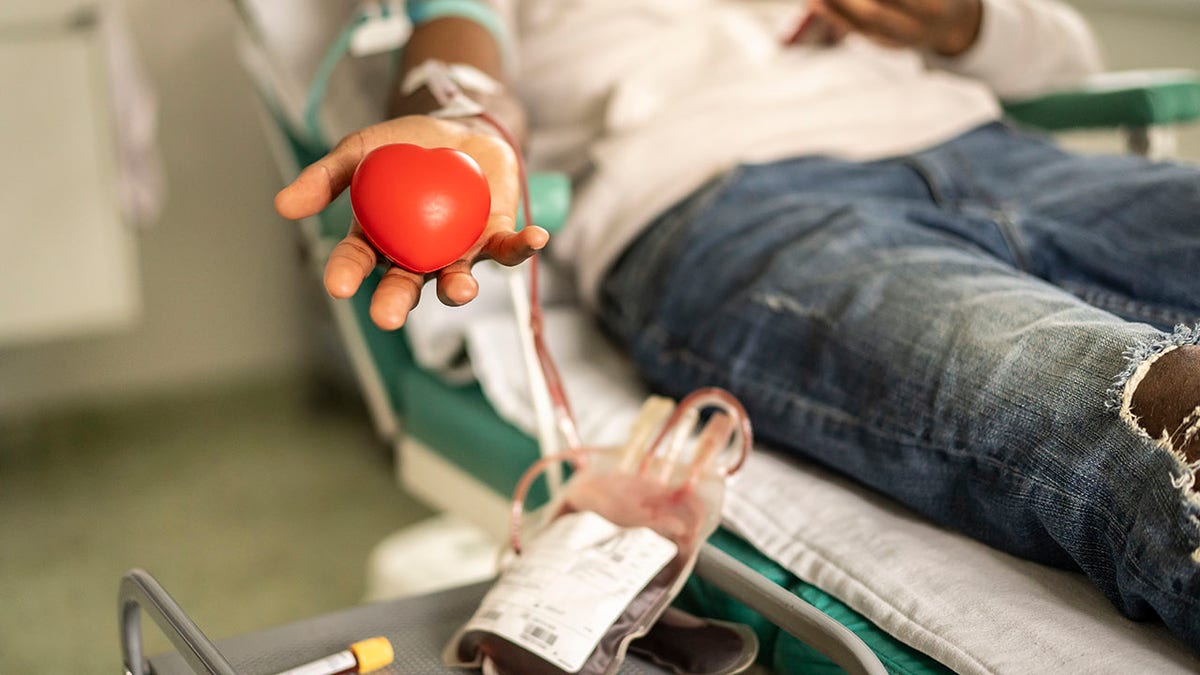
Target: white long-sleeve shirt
[645, 100]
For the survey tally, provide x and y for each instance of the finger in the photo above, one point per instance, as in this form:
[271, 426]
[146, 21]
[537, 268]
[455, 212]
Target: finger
[878, 20]
[512, 248]
[805, 27]
[835, 33]
[398, 293]
[873, 17]
[349, 263]
[456, 285]
[920, 9]
[323, 180]
[835, 27]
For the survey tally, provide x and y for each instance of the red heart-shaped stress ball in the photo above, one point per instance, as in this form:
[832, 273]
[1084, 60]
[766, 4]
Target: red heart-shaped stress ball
[421, 208]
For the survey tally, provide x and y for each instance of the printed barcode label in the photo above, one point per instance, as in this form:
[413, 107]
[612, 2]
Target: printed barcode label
[572, 582]
[540, 634]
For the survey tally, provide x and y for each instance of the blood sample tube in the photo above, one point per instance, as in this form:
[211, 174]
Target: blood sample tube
[364, 656]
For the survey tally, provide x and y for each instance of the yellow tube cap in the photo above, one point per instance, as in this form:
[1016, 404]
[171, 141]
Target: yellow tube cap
[372, 654]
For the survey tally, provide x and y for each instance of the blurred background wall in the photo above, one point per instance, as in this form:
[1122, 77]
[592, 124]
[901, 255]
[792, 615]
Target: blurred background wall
[223, 295]
[1149, 34]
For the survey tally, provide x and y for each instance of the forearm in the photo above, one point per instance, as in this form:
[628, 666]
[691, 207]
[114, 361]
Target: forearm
[458, 40]
[1028, 47]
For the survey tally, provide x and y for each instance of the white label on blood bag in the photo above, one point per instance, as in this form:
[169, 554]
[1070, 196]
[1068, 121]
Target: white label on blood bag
[570, 585]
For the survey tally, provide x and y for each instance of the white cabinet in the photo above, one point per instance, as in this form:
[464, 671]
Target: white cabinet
[68, 263]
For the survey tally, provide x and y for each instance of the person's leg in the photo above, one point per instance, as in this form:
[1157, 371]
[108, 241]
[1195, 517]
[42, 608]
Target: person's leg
[1119, 231]
[885, 339]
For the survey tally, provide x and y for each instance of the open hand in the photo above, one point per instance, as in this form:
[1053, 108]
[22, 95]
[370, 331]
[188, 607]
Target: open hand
[354, 258]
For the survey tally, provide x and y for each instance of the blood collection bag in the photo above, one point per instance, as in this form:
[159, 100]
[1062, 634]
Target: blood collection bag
[615, 547]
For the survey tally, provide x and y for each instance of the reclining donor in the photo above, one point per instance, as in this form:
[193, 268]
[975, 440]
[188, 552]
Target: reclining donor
[819, 208]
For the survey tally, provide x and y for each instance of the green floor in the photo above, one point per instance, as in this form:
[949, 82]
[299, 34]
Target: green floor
[251, 504]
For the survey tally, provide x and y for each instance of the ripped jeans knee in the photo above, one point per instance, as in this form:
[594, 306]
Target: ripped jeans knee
[1159, 398]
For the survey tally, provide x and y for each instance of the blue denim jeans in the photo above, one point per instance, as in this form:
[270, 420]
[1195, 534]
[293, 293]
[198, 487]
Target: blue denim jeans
[954, 328]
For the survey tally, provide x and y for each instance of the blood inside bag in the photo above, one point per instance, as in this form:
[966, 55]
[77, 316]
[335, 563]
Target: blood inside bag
[688, 644]
[626, 500]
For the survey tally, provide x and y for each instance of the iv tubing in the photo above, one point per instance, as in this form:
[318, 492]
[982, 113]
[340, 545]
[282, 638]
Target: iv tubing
[558, 395]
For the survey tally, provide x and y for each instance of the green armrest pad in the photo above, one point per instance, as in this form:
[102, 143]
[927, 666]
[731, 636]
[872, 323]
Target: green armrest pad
[1111, 100]
[549, 199]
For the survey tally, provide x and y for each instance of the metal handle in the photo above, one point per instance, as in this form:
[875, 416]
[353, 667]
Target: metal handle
[141, 591]
[789, 612]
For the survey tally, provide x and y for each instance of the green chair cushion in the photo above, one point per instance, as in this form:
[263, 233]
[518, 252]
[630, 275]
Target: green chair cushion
[460, 425]
[1112, 100]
